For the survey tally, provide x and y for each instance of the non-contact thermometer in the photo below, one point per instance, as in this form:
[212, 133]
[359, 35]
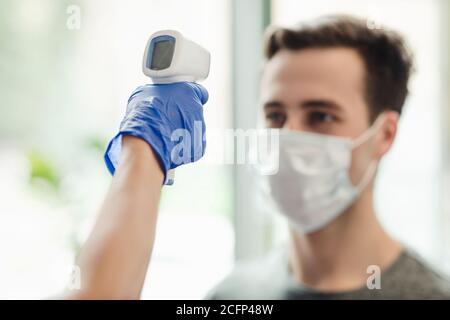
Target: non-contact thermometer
[169, 57]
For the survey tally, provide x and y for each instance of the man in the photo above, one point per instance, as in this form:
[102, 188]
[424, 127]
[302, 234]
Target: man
[336, 88]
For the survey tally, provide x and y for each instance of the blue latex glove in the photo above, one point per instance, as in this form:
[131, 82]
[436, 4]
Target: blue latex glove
[169, 117]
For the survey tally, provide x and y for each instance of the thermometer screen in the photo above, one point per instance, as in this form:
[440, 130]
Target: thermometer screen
[162, 54]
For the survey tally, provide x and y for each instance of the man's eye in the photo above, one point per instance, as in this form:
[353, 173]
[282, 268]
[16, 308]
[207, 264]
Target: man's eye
[275, 117]
[320, 117]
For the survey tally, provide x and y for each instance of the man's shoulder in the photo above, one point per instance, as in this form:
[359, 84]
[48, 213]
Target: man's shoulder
[261, 278]
[412, 277]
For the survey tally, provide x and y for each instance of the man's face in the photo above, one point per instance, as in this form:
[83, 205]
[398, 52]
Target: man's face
[320, 91]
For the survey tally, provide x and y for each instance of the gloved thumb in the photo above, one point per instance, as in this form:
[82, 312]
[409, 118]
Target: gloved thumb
[201, 92]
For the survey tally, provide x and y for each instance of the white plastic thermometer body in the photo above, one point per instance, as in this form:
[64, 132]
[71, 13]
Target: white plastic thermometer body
[169, 57]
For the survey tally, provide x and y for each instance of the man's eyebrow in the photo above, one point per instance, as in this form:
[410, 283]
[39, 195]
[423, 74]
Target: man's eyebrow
[328, 104]
[308, 104]
[272, 104]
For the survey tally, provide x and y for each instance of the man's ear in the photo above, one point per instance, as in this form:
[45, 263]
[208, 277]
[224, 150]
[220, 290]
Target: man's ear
[386, 133]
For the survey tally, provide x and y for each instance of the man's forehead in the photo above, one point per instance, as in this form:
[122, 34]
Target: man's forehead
[326, 64]
[316, 72]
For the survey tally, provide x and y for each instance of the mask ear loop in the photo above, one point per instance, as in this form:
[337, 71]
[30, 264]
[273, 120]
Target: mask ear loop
[368, 133]
[371, 169]
[368, 175]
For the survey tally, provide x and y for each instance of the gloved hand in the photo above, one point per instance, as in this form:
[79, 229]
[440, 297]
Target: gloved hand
[169, 117]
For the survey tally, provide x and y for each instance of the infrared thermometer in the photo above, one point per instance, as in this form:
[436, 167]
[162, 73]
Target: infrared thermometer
[169, 57]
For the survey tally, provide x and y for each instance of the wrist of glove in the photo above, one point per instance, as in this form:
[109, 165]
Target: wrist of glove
[169, 117]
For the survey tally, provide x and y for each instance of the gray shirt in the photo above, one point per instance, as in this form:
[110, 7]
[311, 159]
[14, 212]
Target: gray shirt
[409, 277]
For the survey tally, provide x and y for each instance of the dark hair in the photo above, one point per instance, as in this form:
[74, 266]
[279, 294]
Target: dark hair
[387, 59]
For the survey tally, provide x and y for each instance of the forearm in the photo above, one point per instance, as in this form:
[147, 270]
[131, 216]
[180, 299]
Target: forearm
[115, 258]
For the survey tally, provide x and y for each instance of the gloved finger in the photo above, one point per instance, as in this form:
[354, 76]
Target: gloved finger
[201, 92]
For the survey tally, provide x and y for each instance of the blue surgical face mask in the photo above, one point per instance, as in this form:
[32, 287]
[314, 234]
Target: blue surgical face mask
[312, 186]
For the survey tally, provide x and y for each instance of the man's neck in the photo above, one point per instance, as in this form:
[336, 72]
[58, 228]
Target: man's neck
[336, 257]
